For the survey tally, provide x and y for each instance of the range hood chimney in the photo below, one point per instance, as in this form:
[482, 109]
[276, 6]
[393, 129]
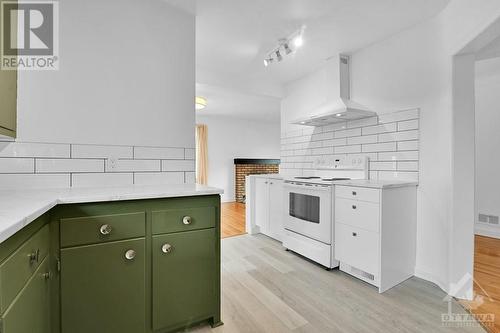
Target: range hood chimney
[340, 108]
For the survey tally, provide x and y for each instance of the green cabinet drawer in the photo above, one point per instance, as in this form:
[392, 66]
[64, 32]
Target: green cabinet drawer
[30, 311]
[16, 270]
[103, 290]
[99, 229]
[184, 219]
[184, 278]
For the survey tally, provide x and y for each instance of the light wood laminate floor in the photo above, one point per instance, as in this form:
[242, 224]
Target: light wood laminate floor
[487, 280]
[266, 289]
[232, 219]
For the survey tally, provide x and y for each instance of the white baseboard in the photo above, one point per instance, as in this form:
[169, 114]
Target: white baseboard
[425, 275]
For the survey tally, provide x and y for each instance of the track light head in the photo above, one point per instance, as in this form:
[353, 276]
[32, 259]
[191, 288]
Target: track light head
[279, 57]
[268, 61]
[287, 48]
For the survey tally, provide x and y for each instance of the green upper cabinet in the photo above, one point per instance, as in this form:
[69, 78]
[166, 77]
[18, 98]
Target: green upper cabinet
[185, 285]
[8, 100]
[103, 288]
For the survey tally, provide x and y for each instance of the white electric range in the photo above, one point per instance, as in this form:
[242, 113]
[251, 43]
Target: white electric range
[309, 207]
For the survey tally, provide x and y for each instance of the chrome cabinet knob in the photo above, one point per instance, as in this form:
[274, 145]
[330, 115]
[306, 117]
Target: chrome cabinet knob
[34, 256]
[354, 193]
[187, 220]
[354, 207]
[166, 248]
[105, 229]
[130, 255]
[354, 234]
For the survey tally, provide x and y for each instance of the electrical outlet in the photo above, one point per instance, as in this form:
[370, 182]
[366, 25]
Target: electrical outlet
[112, 164]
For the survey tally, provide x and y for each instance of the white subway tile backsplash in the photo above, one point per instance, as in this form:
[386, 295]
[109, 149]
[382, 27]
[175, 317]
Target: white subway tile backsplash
[383, 166]
[357, 140]
[398, 175]
[390, 141]
[335, 142]
[159, 178]
[362, 122]
[322, 151]
[101, 179]
[408, 166]
[377, 147]
[151, 153]
[190, 177]
[94, 151]
[21, 149]
[384, 128]
[322, 136]
[408, 145]
[347, 149]
[17, 165]
[34, 181]
[133, 166]
[408, 125]
[348, 133]
[68, 165]
[398, 116]
[41, 165]
[398, 136]
[398, 156]
[174, 165]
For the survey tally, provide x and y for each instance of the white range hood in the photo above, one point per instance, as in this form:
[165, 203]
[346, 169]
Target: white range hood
[342, 108]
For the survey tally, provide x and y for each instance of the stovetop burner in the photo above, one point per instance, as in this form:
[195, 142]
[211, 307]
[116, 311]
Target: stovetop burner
[334, 179]
[309, 177]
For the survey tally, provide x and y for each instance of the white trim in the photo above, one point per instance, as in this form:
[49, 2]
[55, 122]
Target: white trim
[487, 231]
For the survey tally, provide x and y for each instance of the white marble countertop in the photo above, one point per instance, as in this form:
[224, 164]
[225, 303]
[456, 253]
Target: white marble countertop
[19, 208]
[376, 183]
[268, 175]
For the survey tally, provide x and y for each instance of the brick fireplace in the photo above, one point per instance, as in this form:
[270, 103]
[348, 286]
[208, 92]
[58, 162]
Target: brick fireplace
[251, 166]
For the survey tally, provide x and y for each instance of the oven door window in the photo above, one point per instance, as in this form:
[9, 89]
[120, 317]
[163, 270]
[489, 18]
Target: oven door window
[304, 207]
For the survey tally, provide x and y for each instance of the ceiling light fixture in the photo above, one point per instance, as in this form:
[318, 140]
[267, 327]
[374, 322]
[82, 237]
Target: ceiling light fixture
[200, 103]
[286, 46]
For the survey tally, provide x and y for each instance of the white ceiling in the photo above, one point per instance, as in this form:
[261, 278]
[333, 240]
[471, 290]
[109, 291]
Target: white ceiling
[233, 36]
[231, 103]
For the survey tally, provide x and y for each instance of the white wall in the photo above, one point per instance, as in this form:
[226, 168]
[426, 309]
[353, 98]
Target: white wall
[414, 69]
[230, 138]
[487, 142]
[127, 73]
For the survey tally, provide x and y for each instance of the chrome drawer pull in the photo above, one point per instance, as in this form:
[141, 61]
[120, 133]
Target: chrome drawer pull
[354, 207]
[105, 229]
[166, 248]
[34, 256]
[130, 255]
[186, 220]
[47, 276]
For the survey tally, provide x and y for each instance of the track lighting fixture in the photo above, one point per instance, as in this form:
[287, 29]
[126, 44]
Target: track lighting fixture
[286, 46]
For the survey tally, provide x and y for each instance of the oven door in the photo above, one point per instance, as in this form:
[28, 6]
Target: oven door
[308, 210]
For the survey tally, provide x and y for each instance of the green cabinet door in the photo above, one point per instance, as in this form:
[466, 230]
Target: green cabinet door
[30, 311]
[103, 288]
[184, 278]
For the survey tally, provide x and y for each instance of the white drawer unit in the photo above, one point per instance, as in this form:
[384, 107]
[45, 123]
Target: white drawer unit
[358, 193]
[375, 233]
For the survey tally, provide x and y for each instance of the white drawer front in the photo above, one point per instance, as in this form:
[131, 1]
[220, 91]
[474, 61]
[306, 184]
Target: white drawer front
[358, 193]
[357, 248]
[361, 214]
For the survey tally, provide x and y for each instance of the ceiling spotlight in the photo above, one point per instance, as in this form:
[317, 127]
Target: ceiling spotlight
[278, 55]
[268, 61]
[339, 115]
[298, 41]
[287, 48]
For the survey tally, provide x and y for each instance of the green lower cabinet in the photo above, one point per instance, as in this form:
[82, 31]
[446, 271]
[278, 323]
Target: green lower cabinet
[103, 288]
[30, 310]
[184, 279]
